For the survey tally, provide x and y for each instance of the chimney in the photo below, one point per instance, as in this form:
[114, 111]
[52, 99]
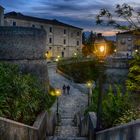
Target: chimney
[1, 16]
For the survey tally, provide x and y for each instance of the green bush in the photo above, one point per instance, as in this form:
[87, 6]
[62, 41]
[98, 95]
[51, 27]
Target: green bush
[21, 95]
[133, 81]
[114, 105]
[80, 71]
[128, 115]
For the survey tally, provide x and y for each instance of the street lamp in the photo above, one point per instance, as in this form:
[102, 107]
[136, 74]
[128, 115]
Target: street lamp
[100, 51]
[57, 93]
[89, 86]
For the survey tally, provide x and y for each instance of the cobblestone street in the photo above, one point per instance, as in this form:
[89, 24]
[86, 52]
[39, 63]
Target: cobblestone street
[69, 105]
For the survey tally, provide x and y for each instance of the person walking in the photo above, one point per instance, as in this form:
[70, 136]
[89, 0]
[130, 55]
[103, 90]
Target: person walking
[68, 89]
[64, 89]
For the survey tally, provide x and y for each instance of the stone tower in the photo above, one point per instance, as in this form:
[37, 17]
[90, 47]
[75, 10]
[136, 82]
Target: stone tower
[1, 16]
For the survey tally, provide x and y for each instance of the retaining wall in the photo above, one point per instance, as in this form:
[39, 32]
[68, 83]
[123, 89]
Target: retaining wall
[11, 130]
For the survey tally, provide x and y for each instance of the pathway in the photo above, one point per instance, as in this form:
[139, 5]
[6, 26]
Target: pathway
[69, 105]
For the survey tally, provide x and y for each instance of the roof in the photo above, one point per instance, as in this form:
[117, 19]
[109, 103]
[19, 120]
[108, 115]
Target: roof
[20, 16]
[129, 32]
[1, 7]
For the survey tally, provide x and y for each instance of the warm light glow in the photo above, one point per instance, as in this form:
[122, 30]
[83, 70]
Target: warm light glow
[115, 50]
[136, 51]
[58, 56]
[102, 49]
[89, 84]
[75, 54]
[57, 92]
[52, 93]
[56, 59]
[46, 55]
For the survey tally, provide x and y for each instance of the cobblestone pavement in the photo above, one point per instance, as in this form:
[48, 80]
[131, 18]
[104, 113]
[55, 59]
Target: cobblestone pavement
[69, 105]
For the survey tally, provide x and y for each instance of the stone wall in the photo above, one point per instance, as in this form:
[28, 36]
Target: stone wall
[130, 131]
[57, 46]
[11, 130]
[25, 47]
[116, 71]
[20, 43]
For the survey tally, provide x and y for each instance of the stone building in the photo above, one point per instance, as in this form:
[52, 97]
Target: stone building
[127, 43]
[1, 16]
[62, 39]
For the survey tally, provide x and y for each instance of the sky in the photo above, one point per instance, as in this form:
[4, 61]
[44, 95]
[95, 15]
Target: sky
[80, 13]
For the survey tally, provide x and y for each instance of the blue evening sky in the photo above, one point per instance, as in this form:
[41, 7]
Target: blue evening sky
[80, 13]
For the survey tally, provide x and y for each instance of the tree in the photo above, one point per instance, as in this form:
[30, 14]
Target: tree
[132, 18]
[125, 12]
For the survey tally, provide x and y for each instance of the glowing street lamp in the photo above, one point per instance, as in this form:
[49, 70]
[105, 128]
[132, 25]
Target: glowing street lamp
[89, 86]
[57, 92]
[136, 51]
[100, 51]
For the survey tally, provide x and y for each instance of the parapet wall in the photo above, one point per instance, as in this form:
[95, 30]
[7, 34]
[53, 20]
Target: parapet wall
[25, 47]
[20, 43]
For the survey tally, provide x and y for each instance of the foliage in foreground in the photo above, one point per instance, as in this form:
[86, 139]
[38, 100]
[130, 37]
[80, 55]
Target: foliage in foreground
[116, 108]
[21, 96]
[80, 71]
[133, 82]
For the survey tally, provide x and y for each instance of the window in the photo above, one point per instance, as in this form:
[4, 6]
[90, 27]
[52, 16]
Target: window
[50, 29]
[77, 43]
[64, 48]
[71, 34]
[50, 48]
[64, 31]
[64, 41]
[33, 26]
[129, 39]
[123, 42]
[50, 40]
[41, 27]
[14, 23]
[78, 33]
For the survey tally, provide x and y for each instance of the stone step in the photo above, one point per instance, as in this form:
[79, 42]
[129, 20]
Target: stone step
[68, 138]
[66, 121]
[66, 131]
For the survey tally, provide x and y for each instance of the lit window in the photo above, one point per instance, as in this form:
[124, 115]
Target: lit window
[14, 23]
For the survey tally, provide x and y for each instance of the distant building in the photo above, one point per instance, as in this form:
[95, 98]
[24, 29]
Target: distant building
[62, 39]
[127, 43]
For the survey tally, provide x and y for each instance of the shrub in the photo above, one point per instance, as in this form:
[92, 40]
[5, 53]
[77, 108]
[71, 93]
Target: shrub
[80, 71]
[21, 95]
[113, 106]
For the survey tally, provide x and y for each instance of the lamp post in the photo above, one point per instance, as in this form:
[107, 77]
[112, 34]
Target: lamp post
[89, 85]
[100, 51]
[57, 93]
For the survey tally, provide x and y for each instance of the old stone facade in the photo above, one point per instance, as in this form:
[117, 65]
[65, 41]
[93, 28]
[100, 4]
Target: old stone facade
[62, 39]
[126, 43]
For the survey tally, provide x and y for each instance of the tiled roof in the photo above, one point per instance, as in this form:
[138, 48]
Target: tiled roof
[16, 15]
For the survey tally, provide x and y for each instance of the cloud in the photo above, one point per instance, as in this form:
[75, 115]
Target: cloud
[75, 12]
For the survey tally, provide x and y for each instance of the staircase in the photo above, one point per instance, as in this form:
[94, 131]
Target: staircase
[66, 130]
